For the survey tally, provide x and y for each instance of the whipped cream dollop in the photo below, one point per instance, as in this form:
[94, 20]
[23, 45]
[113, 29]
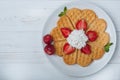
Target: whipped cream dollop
[77, 39]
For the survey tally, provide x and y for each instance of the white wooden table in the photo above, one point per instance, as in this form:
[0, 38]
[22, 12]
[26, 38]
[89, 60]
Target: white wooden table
[21, 56]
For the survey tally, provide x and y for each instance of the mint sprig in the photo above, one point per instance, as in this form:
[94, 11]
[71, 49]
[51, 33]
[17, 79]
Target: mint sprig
[107, 47]
[63, 12]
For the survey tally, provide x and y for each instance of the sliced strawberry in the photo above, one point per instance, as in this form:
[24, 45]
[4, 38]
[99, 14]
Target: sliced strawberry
[82, 24]
[66, 32]
[92, 35]
[68, 49]
[86, 49]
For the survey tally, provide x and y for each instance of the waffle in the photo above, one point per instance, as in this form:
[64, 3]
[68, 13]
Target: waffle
[83, 59]
[62, 22]
[96, 51]
[71, 58]
[102, 40]
[89, 16]
[97, 47]
[74, 15]
[56, 34]
[98, 25]
[59, 47]
[94, 23]
[68, 59]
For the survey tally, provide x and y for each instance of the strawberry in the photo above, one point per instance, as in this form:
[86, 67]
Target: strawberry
[66, 32]
[47, 39]
[92, 35]
[86, 49]
[82, 24]
[68, 49]
[49, 49]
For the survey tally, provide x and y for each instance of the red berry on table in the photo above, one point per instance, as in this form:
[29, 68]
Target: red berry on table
[49, 49]
[48, 39]
[86, 49]
[66, 32]
[92, 35]
[68, 49]
[82, 24]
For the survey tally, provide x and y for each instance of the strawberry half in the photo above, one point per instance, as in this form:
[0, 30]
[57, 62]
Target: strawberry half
[66, 32]
[86, 49]
[68, 49]
[82, 24]
[92, 35]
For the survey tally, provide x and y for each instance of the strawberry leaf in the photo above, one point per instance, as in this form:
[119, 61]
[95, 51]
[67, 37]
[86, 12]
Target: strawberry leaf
[63, 12]
[107, 47]
[65, 9]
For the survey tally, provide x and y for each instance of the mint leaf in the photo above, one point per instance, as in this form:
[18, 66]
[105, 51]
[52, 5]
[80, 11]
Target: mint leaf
[65, 9]
[110, 44]
[107, 47]
[64, 12]
[61, 14]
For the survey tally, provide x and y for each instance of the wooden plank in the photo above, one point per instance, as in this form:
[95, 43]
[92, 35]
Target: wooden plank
[31, 16]
[47, 71]
[20, 41]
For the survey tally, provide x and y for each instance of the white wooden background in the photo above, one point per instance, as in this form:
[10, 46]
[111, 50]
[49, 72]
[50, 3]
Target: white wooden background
[21, 56]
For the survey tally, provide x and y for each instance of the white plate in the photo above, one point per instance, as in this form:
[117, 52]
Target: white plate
[76, 70]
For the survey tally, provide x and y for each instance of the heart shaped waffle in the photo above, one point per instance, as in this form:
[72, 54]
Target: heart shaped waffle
[94, 23]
